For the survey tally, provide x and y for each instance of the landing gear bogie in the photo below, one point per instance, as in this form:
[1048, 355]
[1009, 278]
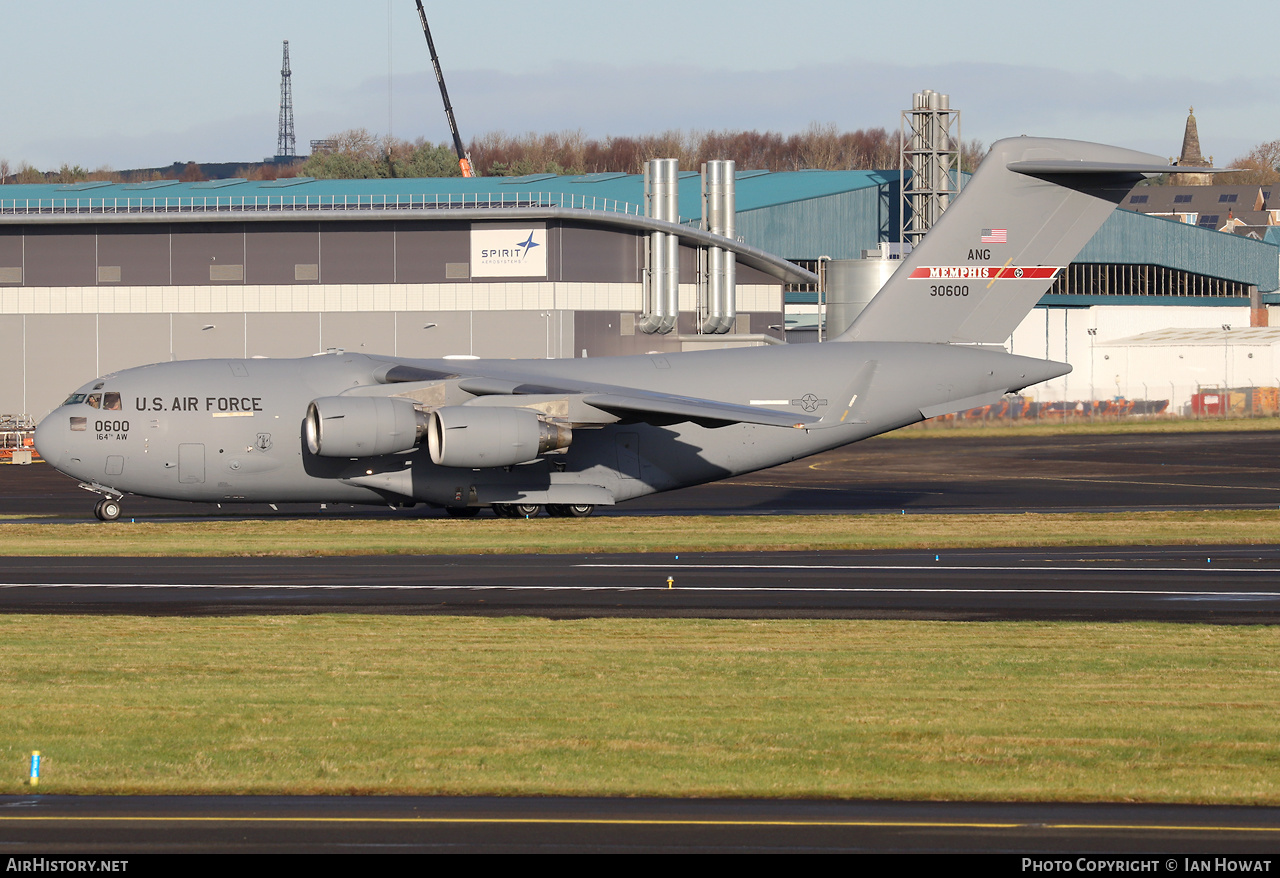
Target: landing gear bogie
[108, 509]
[516, 510]
[569, 510]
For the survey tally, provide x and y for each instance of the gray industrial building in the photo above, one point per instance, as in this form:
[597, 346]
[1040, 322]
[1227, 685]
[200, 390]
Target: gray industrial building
[98, 277]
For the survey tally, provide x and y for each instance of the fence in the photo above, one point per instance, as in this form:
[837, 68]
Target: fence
[180, 204]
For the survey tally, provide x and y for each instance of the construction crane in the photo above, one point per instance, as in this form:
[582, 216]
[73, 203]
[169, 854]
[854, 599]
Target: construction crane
[464, 158]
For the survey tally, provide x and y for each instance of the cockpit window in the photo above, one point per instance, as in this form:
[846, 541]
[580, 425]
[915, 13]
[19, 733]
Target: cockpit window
[111, 401]
[95, 400]
[74, 399]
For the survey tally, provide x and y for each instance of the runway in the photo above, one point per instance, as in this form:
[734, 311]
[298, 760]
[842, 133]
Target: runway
[1222, 584]
[1004, 473]
[75, 826]
[1000, 472]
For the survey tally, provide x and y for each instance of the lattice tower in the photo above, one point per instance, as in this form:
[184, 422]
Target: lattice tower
[286, 142]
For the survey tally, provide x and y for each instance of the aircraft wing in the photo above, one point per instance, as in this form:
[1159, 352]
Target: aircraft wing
[625, 403]
[663, 408]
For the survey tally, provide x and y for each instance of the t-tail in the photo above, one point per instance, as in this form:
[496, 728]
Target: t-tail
[1027, 212]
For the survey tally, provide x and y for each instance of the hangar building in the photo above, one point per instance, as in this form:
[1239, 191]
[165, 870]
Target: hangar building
[96, 277]
[99, 277]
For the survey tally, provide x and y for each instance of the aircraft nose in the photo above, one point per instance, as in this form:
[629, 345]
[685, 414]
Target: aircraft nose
[50, 441]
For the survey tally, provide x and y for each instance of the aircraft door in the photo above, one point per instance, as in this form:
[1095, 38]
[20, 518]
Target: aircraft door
[629, 455]
[191, 463]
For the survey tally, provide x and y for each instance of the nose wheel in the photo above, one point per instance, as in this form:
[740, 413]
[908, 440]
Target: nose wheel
[108, 509]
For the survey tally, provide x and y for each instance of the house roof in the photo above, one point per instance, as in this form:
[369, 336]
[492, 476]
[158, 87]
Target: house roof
[1195, 199]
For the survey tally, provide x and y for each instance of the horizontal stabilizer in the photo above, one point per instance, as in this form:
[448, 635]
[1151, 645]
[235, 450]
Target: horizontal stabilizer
[1048, 168]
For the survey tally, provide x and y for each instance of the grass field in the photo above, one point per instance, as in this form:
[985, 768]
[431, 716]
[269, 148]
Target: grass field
[433, 536]
[505, 706]
[678, 707]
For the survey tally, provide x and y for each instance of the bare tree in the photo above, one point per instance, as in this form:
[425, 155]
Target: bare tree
[569, 152]
[358, 153]
[972, 152]
[191, 174]
[1260, 165]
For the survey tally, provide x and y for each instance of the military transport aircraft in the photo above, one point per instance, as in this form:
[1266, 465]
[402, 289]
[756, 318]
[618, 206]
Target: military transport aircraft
[573, 434]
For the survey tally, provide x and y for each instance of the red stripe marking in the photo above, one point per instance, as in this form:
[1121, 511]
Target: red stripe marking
[985, 272]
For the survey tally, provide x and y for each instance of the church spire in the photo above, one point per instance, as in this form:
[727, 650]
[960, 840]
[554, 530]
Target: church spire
[1191, 157]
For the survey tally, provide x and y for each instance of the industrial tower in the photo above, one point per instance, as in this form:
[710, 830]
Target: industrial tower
[930, 140]
[286, 143]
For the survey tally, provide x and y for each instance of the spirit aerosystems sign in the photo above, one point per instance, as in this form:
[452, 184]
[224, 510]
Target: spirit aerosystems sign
[518, 252]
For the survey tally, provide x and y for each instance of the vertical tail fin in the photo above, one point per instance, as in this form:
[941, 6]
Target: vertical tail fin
[1028, 210]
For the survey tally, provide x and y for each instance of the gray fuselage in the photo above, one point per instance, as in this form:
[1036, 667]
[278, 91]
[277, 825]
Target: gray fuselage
[220, 430]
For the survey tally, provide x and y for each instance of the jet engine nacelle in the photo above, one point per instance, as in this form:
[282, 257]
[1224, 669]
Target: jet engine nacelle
[479, 436]
[362, 426]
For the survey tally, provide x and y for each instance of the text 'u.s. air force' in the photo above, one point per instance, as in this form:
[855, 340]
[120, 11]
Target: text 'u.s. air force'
[198, 404]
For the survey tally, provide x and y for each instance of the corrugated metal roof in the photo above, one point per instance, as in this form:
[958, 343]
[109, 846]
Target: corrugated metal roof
[1133, 239]
[1085, 300]
[1245, 335]
[154, 184]
[755, 189]
[81, 187]
[600, 177]
[526, 179]
[797, 214]
[219, 184]
[287, 182]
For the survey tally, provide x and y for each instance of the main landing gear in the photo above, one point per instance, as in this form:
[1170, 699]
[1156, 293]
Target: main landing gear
[569, 510]
[516, 510]
[108, 509]
[524, 510]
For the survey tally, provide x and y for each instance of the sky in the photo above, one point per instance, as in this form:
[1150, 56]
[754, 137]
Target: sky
[140, 83]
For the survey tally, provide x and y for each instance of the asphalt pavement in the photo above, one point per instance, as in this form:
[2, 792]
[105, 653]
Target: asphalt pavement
[999, 473]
